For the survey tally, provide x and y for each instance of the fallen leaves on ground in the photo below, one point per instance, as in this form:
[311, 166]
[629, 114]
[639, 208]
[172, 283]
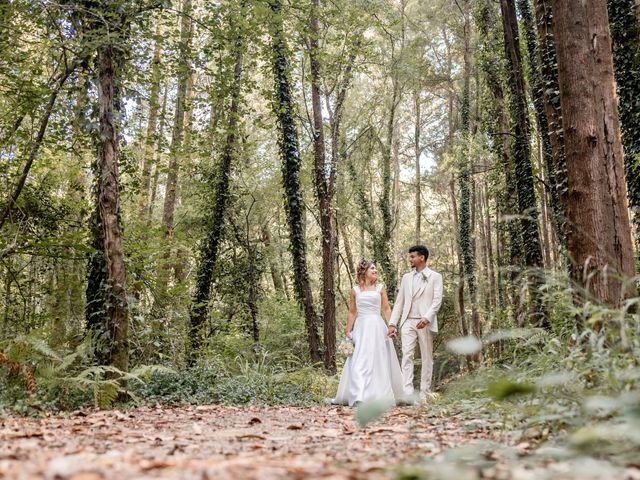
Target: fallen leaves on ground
[322, 442]
[207, 442]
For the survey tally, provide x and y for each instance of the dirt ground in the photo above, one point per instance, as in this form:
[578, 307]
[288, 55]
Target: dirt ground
[217, 442]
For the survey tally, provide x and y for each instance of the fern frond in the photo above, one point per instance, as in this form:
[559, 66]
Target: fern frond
[105, 394]
[40, 346]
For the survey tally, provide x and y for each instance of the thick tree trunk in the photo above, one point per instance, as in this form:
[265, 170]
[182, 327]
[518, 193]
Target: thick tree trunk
[152, 121]
[625, 31]
[291, 161]
[109, 213]
[599, 240]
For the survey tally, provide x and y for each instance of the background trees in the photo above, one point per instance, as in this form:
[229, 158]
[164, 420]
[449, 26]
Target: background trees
[247, 154]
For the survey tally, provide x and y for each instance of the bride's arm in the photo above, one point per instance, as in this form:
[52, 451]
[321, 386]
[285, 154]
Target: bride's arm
[352, 313]
[386, 309]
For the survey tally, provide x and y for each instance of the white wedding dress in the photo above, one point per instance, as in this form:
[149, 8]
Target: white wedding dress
[373, 371]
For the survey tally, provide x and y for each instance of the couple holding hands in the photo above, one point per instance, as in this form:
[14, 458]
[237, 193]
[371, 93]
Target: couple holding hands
[372, 371]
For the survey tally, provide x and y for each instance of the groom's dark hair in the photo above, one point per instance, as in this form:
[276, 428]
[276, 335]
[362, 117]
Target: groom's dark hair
[420, 250]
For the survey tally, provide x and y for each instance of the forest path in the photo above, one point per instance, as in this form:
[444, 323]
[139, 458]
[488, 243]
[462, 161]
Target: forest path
[218, 442]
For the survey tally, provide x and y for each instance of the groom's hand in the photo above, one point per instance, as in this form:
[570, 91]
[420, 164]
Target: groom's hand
[422, 323]
[392, 331]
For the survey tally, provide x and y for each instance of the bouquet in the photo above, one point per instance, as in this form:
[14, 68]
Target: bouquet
[345, 348]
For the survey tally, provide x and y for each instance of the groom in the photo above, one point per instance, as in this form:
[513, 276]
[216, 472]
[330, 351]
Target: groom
[414, 313]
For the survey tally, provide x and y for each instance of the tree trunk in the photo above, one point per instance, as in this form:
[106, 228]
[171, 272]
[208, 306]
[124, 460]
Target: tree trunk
[347, 250]
[466, 237]
[158, 155]
[324, 183]
[537, 95]
[291, 162]
[152, 121]
[418, 153]
[176, 151]
[551, 95]
[276, 274]
[109, 213]
[625, 31]
[35, 148]
[210, 247]
[599, 240]
[382, 243]
[524, 171]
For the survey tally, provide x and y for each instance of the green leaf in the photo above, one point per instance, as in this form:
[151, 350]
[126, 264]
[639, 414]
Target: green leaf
[371, 410]
[505, 388]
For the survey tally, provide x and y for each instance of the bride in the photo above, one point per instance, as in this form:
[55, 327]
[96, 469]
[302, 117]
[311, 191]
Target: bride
[372, 372]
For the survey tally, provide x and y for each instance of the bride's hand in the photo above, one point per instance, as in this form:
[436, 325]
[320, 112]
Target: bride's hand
[348, 335]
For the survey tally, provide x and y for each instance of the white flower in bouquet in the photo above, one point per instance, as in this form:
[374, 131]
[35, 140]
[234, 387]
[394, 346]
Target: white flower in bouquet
[345, 348]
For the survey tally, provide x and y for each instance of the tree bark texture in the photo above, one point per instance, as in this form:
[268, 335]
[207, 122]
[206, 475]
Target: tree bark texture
[152, 124]
[527, 204]
[324, 179]
[210, 247]
[599, 241]
[109, 212]
[625, 31]
[176, 151]
[537, 95]
[291, 161]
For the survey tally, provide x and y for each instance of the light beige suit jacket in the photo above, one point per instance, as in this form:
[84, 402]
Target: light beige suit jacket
[428, 296]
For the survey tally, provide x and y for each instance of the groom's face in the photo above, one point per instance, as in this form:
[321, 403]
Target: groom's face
[416, 260]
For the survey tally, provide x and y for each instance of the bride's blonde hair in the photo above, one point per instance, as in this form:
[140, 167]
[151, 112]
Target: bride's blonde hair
[361, 271]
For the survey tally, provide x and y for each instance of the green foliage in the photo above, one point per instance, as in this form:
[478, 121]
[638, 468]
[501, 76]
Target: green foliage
[504, 388]
[569, 390]
[260, 380]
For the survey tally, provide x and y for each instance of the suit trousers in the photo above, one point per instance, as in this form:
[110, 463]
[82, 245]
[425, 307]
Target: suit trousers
[410, 335]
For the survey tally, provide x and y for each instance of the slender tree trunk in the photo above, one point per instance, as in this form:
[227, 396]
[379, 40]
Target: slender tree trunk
[547, 246]
[537, 95]
[35, 148]
[158, 156]
[176, 151]
[324, 183]
[291, 161]
[152, 121]
[276, 274]
[488, 239]
[599, 240]
[524, 171]
[465, 213]
[625, 31]
[210, 247]
[382, 243]
[551, 97]
[347, 250]
[418, 153]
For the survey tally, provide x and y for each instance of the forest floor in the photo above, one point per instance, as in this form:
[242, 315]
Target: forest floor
[265, 443]
[218, 442]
